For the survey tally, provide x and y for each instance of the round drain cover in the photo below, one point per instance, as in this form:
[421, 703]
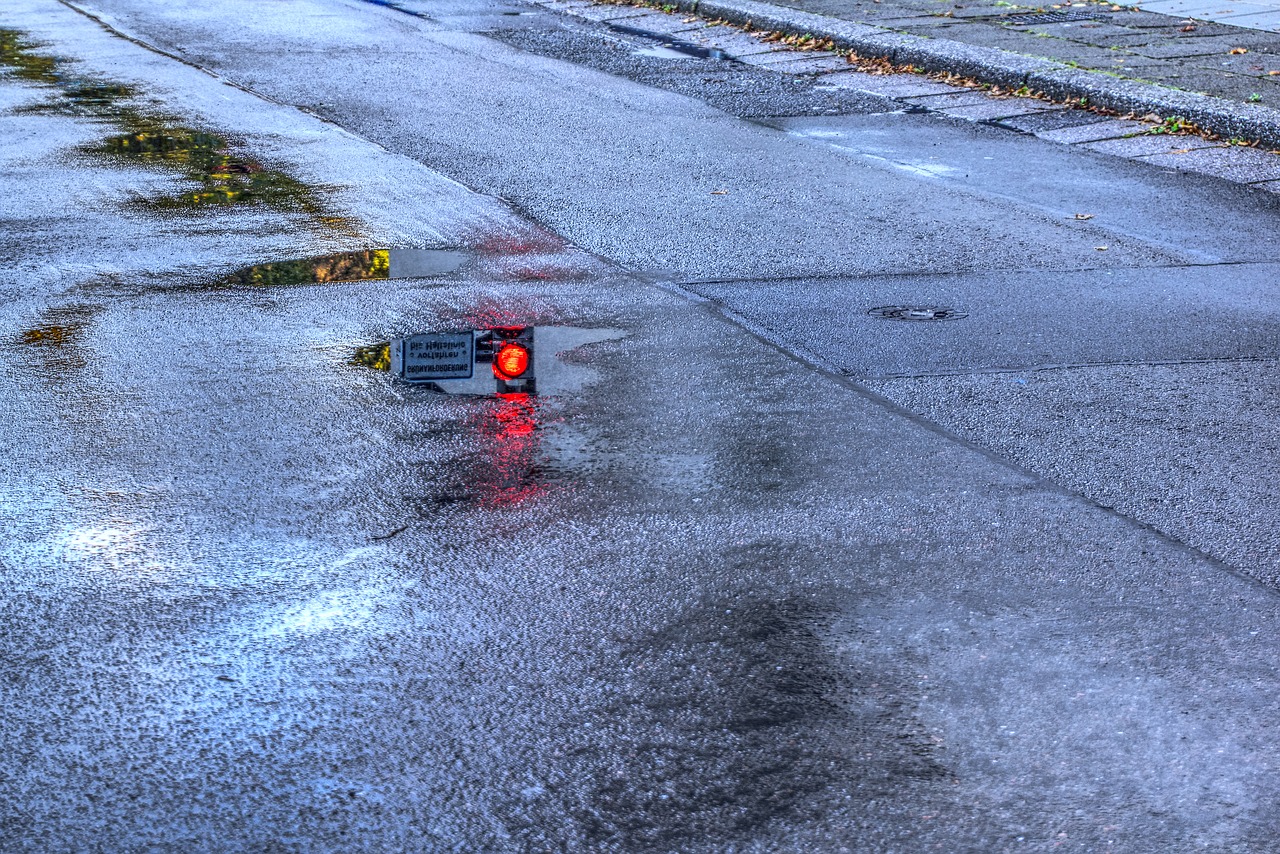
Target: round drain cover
[916, 312]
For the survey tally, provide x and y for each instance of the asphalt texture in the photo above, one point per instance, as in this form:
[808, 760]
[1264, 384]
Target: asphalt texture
[754, 585]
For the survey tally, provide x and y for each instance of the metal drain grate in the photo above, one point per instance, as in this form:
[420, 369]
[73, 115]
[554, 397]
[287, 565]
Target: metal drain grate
[916, 313]
[1061, 16]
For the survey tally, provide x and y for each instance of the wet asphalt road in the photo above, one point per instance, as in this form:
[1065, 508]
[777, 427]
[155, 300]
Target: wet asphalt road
[713, 598]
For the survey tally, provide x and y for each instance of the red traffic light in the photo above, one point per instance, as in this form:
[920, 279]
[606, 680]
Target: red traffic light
[510, 362]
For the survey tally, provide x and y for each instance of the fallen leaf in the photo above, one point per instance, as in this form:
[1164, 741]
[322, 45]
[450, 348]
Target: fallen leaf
[1274, 73]
[689, 21]
[1188, 29]
[719, 192]
[1180, 151]
[1101, 248]
[1236, 51]
[1084, 216]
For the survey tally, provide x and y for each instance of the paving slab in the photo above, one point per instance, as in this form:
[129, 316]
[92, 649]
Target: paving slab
[997, 108]
[892, 85]
[942, 100]
[1096, 130]
[1146, 145]
[1055, 117]
[1247, 165]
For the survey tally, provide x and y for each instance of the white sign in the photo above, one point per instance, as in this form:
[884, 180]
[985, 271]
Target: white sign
[439, 356]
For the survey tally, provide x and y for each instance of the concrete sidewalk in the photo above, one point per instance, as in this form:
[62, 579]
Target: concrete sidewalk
[1221, 77]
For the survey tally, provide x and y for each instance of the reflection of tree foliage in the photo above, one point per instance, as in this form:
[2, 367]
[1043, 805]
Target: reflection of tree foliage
[220, 178]
[376, 356]
[56, 339]
[16, 56]
[205, 158]
[343, 267]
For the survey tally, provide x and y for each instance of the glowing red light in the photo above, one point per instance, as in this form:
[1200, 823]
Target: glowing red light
[510, 362]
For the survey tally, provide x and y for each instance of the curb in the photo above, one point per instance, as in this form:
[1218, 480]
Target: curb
[1005, 68]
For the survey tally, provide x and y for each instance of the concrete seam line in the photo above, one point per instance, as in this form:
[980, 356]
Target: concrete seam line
[1005, 68]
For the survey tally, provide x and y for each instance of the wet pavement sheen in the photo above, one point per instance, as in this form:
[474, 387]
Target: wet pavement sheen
[260, 597]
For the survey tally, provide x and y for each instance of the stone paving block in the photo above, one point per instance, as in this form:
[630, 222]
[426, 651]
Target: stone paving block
[782, 57]
[657, 22]
[846, 78]
[924, 21]
[892, 85]
[1147, 145]
[1254, 65]
[1102, 35]
[998, 108]
[1053, 117]
[608, 12]
[1203, 8]
[1103, 129]
[814, 64]
[1233, 162]
[737, 44]
[1269, 21]
[942, 101]
[1185, 48]
[1144, 20]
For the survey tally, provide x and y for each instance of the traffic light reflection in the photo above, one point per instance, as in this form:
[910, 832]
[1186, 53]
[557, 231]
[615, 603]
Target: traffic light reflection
[508, 473]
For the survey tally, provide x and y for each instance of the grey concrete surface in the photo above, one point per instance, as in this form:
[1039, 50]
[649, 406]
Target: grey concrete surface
[260, 598]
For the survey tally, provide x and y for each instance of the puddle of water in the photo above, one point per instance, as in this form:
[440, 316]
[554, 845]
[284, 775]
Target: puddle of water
[668, 48]
[504, 467]
[376, 356]
[349, 267]
[560, 365]
[413, 263]
[390, 4]
[221, 178]
[681, 50]
[19, 58]
[54, 342]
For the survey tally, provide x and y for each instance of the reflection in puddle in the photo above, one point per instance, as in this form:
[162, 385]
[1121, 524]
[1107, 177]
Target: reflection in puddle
[376, 356]
[55, 340]
[668, 48]
[349, 267]
[221, 178]
[560, 363]
[17, 56]
[681, 50]
[503, 469]
[509, 474]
